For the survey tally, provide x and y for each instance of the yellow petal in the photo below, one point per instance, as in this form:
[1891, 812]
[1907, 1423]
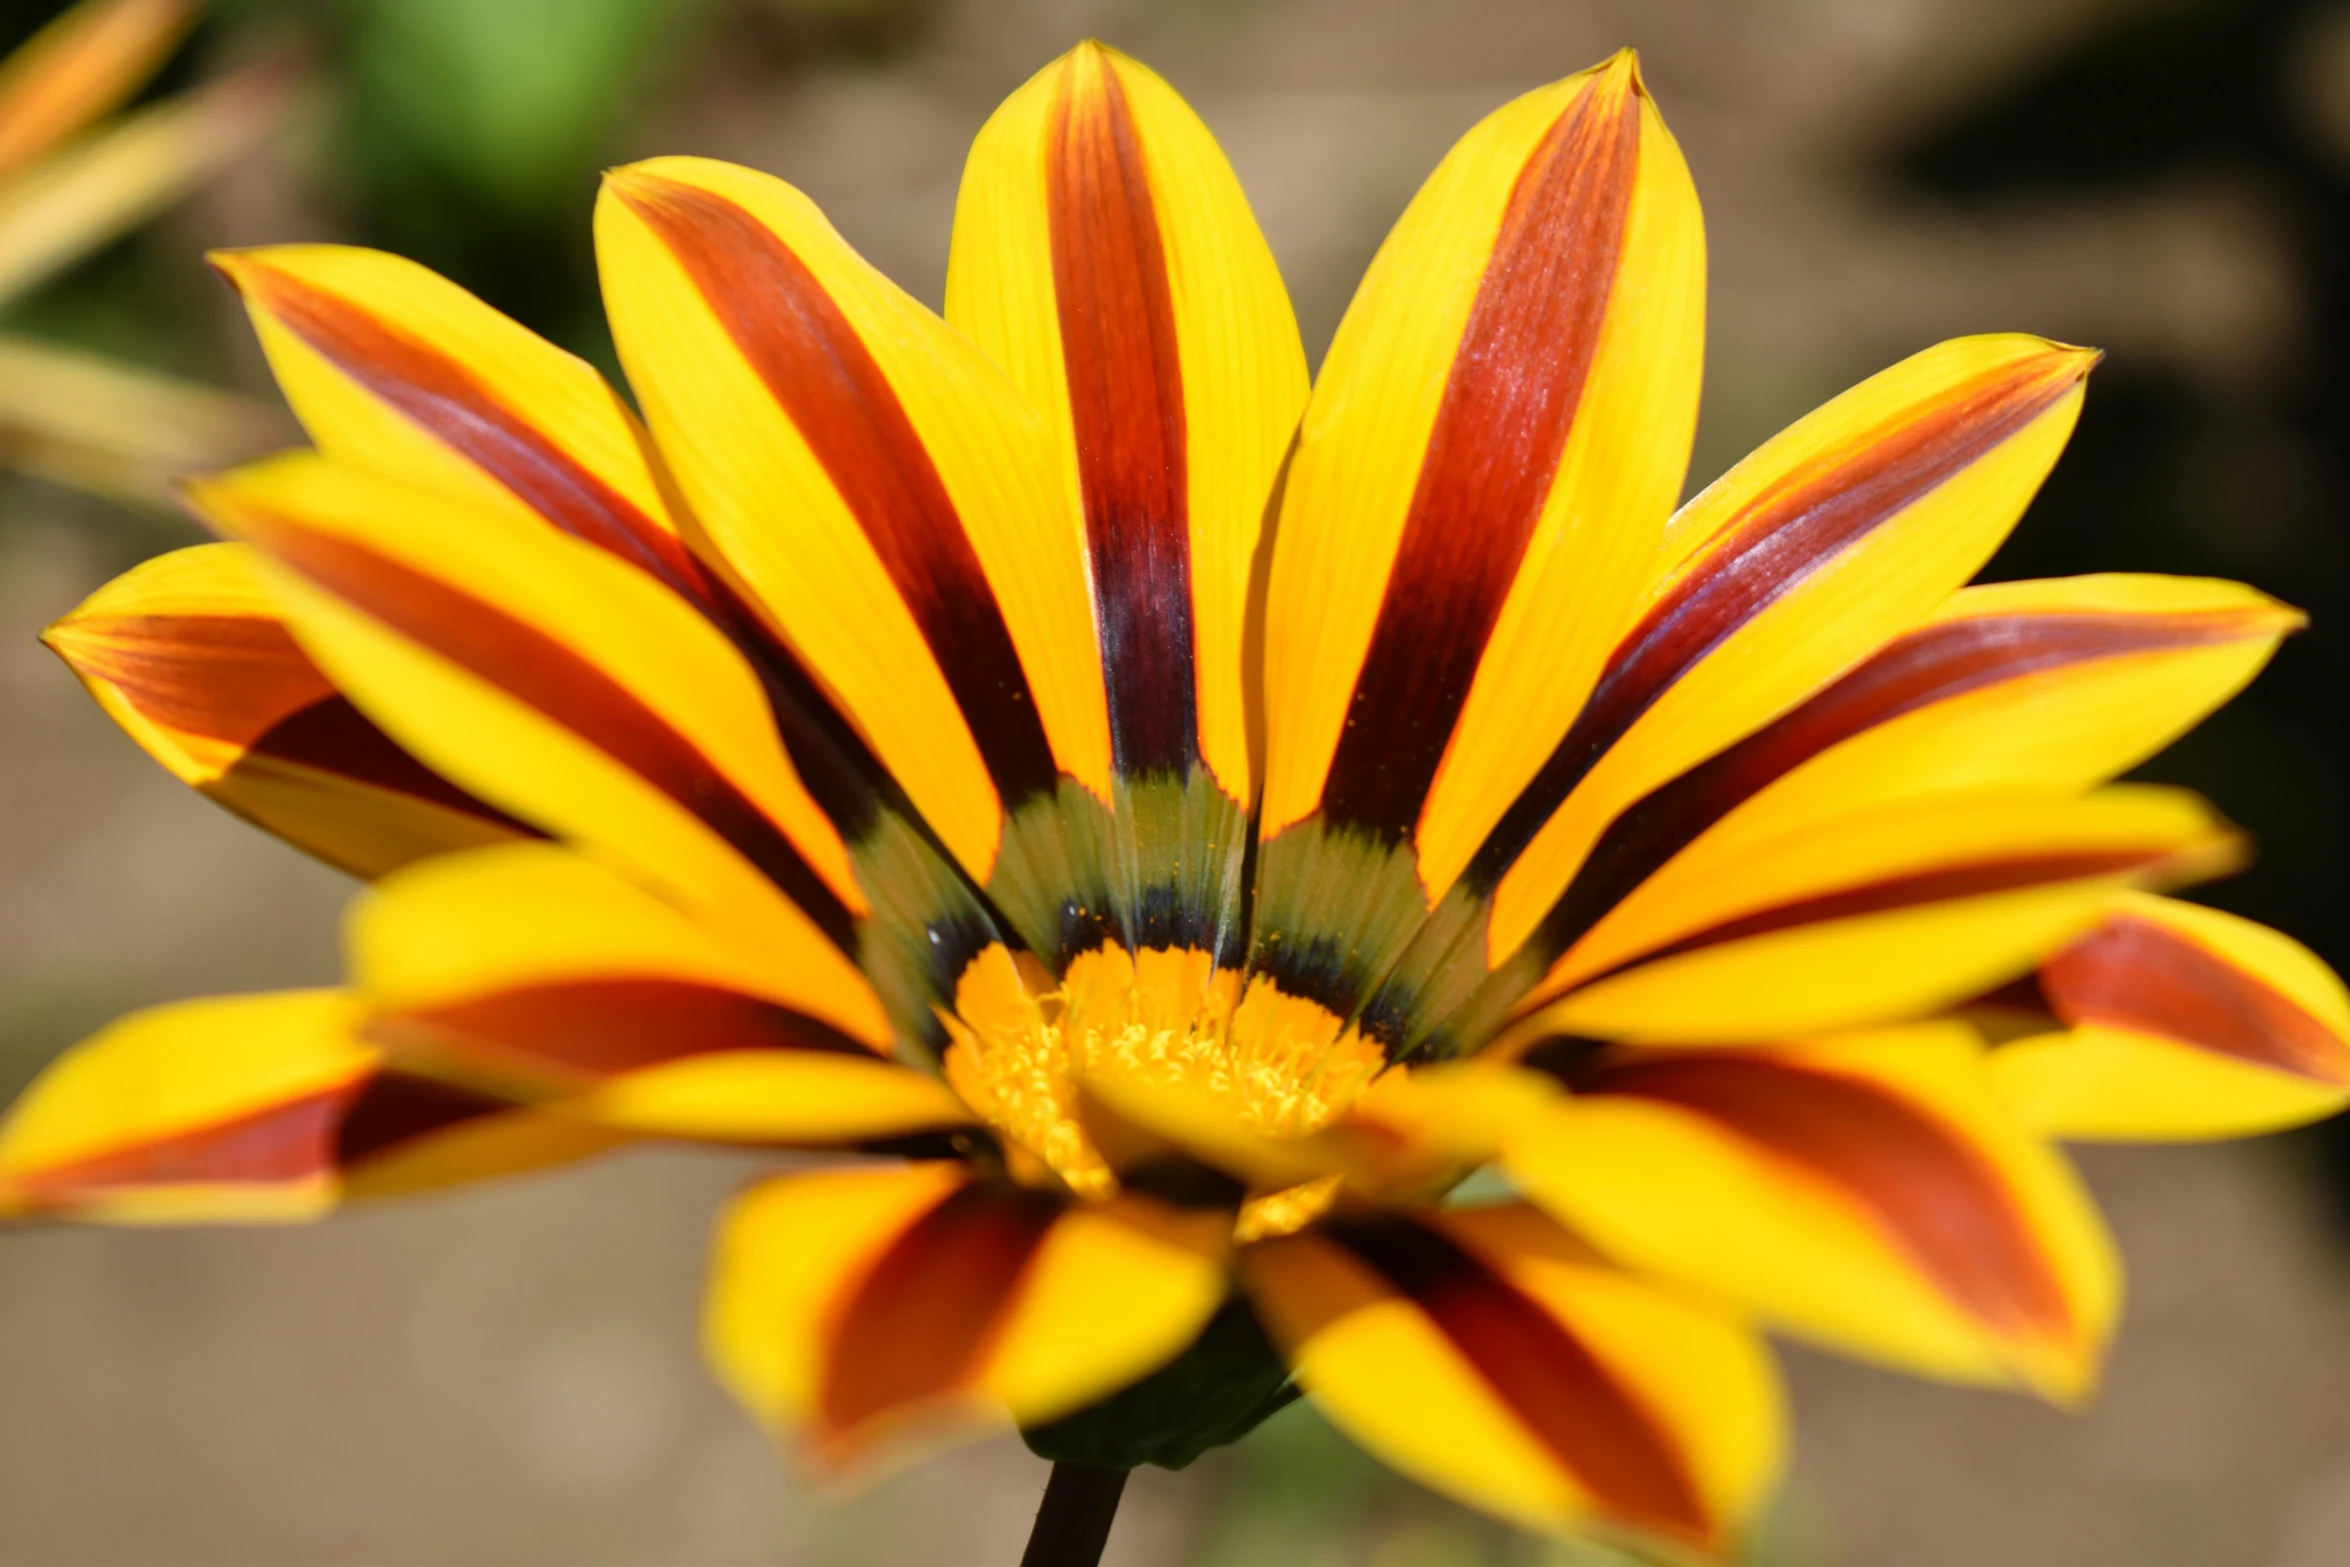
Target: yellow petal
[1492, 447]
[1873, 1192]
[1884, 914]
[538, 974]
[555, 682]
[1836, 536]
[866, 1313]
[885, 494]
[1105, 256]
[247, 1109]
[1486, 1354]
[188, 655]
[2186, 1023]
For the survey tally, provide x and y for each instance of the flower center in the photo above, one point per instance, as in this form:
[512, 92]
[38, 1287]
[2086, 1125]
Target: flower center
[1280, 1065]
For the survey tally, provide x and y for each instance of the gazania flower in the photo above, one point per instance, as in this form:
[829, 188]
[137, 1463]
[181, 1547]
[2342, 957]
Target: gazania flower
[1177, 830]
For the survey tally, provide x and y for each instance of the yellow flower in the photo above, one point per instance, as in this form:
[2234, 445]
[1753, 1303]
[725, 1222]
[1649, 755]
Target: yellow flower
[1178, 828]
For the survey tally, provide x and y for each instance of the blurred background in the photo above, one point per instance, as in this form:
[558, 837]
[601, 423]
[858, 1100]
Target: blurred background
[509, 1376]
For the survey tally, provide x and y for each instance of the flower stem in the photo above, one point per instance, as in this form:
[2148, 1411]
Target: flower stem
[1073, 1521]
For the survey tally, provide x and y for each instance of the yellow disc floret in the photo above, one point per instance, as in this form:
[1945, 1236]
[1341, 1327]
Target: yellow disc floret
[1281, 1066]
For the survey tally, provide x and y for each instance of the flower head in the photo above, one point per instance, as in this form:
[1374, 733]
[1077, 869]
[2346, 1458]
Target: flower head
[1177, 829]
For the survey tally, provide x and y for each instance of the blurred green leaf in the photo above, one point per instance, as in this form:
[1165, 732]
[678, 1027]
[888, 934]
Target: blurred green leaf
[508, 98]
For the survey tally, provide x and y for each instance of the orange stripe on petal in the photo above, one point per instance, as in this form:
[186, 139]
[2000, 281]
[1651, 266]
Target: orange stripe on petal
[251, 1108]
[1874, 1191]
[1935, 664]
[521, 413]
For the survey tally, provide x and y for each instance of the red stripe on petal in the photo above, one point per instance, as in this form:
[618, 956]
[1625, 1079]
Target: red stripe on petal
[1942, 884]
[917, 1326]
[449, 401]
[1125, 377]
[1789, 533]
[545, 675]
[599, 1027]
[803, 347]
[444, 398]
[1509, 403]
[243, 681]
[2136, 975]
[1942, 1202]
[1590, 1422]
[275, 1145]
[1937, 663]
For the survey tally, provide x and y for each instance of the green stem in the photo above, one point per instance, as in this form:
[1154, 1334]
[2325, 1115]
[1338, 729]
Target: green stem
[1073, 1521]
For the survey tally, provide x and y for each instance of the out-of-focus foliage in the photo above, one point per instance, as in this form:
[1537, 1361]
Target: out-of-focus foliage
[72, 179]
[470, 135]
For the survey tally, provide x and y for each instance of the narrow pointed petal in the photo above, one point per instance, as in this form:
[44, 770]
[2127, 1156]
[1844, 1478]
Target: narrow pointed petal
[885, 494]
[1835, 537]
[864, 1313]
[2184, 1023]
[552, 680]
[393, 368]
[1485, 1353]
[83, 64]
[249, 1109]
[536, 973]
[1878, 916]
[2027, 686]
[1105, 256]
[1873, 1192]
[188, 655]
[1499, 431]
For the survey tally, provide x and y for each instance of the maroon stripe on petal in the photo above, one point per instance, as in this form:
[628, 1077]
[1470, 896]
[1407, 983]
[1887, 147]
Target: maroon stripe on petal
[450, 402]
[335, 737]
[1937, 663]
[1595, 1427]
[2134, 974]
[274, 1145]
[1941, 1200]
[921, 1319]
[394, 1110]
[444, 398]
[1895, 893]
[598, 1027]
[795, 337]
[1125, 377]
[543, 674]
[242, 680]
[1515, 384]
[1787, 534]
